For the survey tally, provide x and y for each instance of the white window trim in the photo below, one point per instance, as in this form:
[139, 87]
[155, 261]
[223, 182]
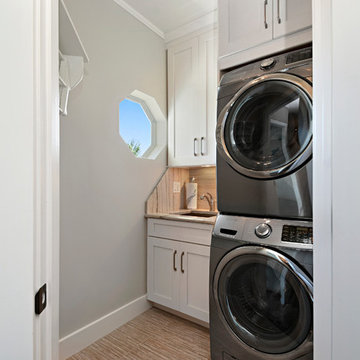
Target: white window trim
[157, 120]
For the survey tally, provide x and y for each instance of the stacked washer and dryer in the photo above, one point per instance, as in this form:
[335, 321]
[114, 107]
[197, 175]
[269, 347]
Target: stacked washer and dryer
[261, 266]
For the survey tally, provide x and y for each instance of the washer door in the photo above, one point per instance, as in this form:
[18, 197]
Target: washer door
[266, 130]
[265, 299]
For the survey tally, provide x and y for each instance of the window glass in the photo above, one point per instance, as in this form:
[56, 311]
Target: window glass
[134, 127]
[269, 125]
[265, 304]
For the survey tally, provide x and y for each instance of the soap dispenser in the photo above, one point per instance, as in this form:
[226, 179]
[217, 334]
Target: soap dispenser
[191, 194]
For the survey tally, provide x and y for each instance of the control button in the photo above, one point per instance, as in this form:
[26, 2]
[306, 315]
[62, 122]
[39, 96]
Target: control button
[263, 230]
[267, 64]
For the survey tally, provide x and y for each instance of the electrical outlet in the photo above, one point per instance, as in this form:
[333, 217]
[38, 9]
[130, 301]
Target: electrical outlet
[176, 187]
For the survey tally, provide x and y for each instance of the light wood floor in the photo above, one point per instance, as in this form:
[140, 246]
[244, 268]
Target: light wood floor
[154, 335]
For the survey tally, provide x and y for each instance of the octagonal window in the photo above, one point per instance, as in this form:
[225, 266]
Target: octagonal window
[142, 125]
[135, 127]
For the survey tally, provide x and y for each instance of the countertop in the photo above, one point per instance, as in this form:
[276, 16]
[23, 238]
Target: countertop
[181, 216]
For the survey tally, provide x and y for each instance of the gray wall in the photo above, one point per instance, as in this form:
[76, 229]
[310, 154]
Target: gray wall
[103, 186]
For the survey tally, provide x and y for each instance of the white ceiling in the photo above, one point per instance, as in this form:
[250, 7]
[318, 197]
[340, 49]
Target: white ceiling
[167, 15]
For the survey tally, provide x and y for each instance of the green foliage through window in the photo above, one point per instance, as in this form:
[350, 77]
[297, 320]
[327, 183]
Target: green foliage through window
[135, 147]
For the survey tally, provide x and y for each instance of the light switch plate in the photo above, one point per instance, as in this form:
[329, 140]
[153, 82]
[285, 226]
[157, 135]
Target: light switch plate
[176, 187]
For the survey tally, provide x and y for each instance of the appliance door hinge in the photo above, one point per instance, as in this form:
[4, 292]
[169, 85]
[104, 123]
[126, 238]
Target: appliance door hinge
[40, 300]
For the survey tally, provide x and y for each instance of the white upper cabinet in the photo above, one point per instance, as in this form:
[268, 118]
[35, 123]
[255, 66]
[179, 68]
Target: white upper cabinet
[208, 81]
[246, 23]
[251, 29]
[192, 89]
[183, 77]
[291, 16]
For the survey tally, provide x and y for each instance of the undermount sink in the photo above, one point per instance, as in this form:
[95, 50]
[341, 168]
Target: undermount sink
[199, 214]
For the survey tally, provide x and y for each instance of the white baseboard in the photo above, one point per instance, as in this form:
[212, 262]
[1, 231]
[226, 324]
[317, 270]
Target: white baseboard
[81, 338]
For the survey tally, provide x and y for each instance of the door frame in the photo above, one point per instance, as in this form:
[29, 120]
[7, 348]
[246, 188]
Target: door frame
[46, 175]
[322, 186]
[336, 179]
[29, 148]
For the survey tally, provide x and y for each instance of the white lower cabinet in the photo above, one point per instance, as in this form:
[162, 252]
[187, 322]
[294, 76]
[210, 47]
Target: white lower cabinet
[178, 276]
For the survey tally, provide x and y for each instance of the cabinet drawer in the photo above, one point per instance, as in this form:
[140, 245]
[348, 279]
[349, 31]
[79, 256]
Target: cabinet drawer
[180, 230]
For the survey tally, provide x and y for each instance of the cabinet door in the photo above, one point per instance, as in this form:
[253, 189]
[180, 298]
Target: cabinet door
[291, 16]
[194, 293]
[209, 76]
[163, 272]
[244, 24]
[183, 94]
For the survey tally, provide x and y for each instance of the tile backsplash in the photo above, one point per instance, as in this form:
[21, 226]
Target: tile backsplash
[163, 199]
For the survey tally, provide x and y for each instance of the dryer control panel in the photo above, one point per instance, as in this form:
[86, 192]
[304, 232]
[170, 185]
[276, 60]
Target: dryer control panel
[297, 234]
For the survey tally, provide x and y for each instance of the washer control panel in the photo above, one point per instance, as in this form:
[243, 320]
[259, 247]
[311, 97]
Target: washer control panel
[263, 230]
[294, 234]
[297, 234]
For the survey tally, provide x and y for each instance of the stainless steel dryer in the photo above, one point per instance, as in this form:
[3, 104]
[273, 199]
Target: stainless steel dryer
[264, 138]
[261, 289]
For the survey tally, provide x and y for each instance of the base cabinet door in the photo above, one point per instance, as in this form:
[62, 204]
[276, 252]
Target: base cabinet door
[163, 272]
[194, 281]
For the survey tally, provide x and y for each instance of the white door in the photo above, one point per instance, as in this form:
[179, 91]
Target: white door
[291, 16]
[184, 94]
[29, 159]
[208, 74]
[163, 272]
[194, 283]
[244, 24]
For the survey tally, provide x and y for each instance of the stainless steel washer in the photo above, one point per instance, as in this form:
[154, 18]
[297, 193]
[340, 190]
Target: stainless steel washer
[264, 138]
[261, 289]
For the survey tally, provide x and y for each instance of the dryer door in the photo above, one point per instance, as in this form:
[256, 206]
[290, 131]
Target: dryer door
[266, 129]
[265, 299]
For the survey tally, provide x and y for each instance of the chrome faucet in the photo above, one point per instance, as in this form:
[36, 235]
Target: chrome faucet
[209, 199]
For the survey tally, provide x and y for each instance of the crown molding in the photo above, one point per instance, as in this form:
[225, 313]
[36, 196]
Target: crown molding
[140, 18]
[205, 21]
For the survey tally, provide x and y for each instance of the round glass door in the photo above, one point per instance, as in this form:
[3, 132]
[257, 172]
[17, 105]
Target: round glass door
[267, 129]
[265, 299]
